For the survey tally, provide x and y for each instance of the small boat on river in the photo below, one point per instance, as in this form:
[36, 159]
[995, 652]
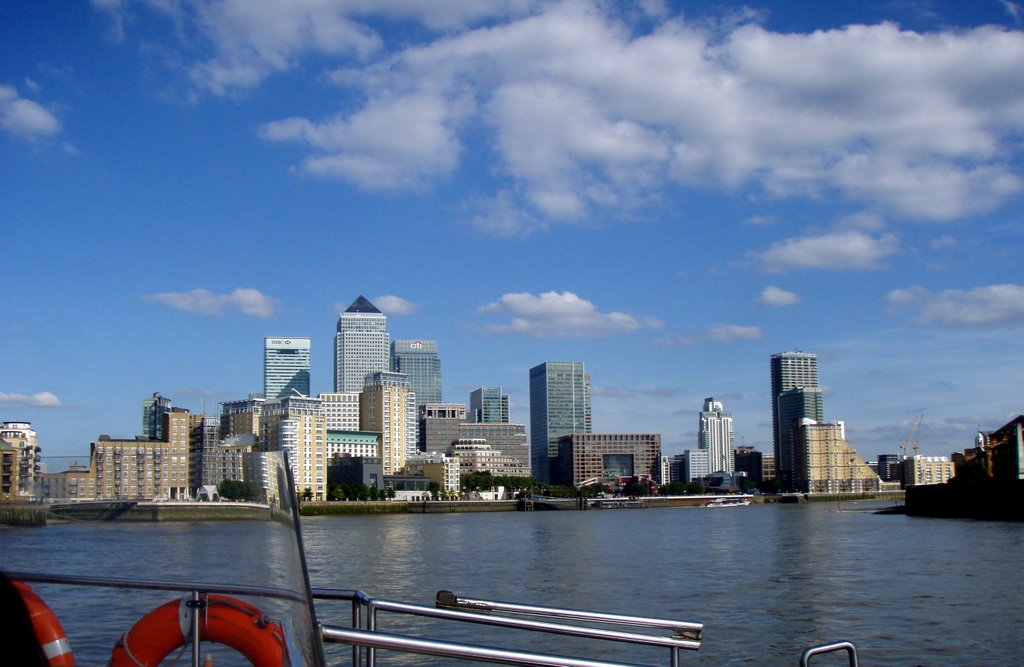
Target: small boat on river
[738, 501]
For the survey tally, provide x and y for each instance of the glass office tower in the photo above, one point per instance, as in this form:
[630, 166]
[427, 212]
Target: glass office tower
[559, 405]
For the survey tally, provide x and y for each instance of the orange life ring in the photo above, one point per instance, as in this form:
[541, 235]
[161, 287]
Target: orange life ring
[49, 632]
[223, 620]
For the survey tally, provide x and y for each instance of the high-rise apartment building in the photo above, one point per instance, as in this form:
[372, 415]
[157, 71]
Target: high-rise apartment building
[360, 345]
[488, 405]
[285, 367]
[240, 417]
[559, 405]
[153, 410]
[296, 425]
[419, 361]
[388, 406]
[341, 410]
[791, 370]
[22, 473]
[715, 434]
[794, 405]
[827, 463]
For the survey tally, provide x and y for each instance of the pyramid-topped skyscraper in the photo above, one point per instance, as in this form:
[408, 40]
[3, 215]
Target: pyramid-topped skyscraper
[361, 346]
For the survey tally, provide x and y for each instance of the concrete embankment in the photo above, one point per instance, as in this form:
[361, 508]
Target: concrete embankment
[403, 507]
[154, 512]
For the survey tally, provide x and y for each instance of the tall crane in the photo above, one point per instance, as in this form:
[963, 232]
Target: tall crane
[915, 432]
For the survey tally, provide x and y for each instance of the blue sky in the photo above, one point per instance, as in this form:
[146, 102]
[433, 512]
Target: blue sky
[668, 192]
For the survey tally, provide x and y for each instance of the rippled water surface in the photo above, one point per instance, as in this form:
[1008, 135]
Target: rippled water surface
[767, 580]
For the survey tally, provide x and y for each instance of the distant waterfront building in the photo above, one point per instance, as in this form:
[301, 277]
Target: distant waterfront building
[715, 434]
[475, 455]
[767, 467]
[794, 405]
[696, 465]
[140, 468]
[23, 477]
[997, 454]
[589, 458]
[790, 370]
[889, 467]
[285, 367]
[418, 359]
[388, 406]
[750, 462]
[927, 470]
[361, 345]
[676, 469]
[341, 410]
[488, 405]
[827, 463]
[341, 443]
[509, 439]
[153, 410]
[559, 405]
[240, 417]
[439, 426]
[226, 460]
[440, 469]
[297, 426]
[78, 482]
[202, 435]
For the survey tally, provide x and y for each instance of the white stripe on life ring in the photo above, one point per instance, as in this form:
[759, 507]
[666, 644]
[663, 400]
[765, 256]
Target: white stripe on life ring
[56, 648]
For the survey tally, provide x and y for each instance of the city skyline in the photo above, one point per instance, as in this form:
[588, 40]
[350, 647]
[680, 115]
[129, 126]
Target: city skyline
[669, 193]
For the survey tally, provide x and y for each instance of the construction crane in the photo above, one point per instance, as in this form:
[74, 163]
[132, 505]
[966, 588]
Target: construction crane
[915, 432]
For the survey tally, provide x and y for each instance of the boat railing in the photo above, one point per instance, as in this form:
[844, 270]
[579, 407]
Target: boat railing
[156, 585]
[851, 652]
[366, 638]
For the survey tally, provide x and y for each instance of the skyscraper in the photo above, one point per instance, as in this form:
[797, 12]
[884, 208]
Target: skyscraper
[285, 367]
[360, 346]
[419, 361]
[716, 435]
[792, 370]
[559, 405]
[488, 405]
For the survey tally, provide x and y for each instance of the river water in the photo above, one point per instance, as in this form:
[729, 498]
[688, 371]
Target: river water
[767, 581]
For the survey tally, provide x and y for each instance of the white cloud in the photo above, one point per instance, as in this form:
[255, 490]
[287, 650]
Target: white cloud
[775, 296]
[726, 333]
[249, 301]
[394, 305]
[835, 251]
[24, 118]
[560, 315]
[401, 142]
[991, 306]
[717, 333]
[42, 399]
[592, 108]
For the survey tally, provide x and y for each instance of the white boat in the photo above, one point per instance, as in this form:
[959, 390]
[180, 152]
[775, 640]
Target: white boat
[738, 501]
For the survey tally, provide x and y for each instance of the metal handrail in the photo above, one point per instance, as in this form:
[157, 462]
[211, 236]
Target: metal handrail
[451, 607]
[683, 629]
[176, 586]
[372, 640]
[851, 651]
